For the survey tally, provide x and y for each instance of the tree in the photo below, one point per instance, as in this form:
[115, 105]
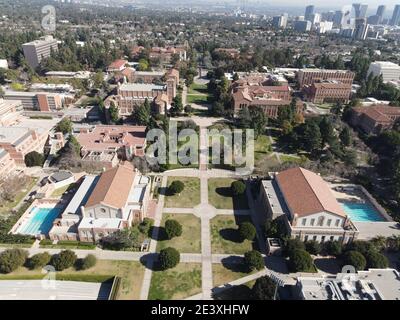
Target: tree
[98, 80]
[113, 112]
[34, 159]
[345, 136]
[142, 114]
[300, 261]
[333, 248]
[253, 260]
[376, 260]
[39, 260]
[313, 247]
[355, 259]
[169, 258]
[291, 245]
[12, 259]
[88, 262]
[178, 105]
[238, 188]
[264, 289]
[247, 231]
[173, 228]
[274, 228]
[64, 260]
[312, 137]
[176, 187]
[64, 126]
[143, 65]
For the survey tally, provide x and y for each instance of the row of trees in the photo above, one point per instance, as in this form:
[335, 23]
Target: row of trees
[12, 259]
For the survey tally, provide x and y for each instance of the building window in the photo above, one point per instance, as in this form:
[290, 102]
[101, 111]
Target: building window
[315, 238]
[321, 221]
[337, 222]
[305, 238]
[102, 210]
[312, 222]
[303, 222]
[323, 239]
[328, 223]
[332, 238]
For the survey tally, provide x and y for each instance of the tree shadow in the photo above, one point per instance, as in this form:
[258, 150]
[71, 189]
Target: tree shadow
[224, 192]
[231, 234]
[235, 264]
[151, 262]
[328, 265]
[165, 191]
[159, 231]
[240, 292]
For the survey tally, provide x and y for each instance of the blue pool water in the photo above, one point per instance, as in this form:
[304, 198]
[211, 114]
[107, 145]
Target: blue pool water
[40, 222]
[361, 212]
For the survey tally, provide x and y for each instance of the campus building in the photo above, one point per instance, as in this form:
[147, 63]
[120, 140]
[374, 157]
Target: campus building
[7, 164]
[10, 112]
[373, 284]
[253, 91]
[36, 101]
[309, 76]
[388, 70]
[38, 50]
[304, 201]
[109, 144]
[327, 91]
[104, 204]
[18, 142]
[374, 119]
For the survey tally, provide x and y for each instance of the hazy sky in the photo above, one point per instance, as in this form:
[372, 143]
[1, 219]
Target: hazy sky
[329, 3]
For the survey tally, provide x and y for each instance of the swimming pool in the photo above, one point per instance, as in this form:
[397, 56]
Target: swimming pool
[40, 221]
[362, 212]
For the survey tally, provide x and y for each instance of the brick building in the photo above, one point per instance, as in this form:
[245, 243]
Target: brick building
[327, 91]
[309, 76]
[374, 119]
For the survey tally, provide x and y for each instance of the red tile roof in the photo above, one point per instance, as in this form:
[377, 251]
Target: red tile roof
[307, 193]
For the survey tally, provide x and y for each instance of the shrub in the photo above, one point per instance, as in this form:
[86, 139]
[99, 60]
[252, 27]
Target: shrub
[176, 187]
[313, 247]
[146, 225]
[88, 262]
[173, 229]
[238, 188]
[301, 261]
[247, 231]
[291, 245]
[254, 260]
[376, 260]
[333, 248]
[275, 228]
[169, 258]
[64, 260]
[34, 159]
[263, 289]
[12, 259]
[39, 260]
[355, 259]
[361, 246]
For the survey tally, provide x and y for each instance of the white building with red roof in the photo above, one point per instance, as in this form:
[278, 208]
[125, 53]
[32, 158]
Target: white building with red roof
[307, 205]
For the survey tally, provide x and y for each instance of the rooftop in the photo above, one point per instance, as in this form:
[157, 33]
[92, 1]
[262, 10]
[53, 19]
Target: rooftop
[140, 87]
[307, 193]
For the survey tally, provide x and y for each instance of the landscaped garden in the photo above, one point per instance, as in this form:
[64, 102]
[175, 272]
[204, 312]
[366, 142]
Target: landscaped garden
[178, 283]
[189, 241]
[225, 273]
[188, 198]
[221, 197]
[225, 236]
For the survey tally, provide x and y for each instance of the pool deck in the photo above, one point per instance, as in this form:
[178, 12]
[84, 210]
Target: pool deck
[369, 230]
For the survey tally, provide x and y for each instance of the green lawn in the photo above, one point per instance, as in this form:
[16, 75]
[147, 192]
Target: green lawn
[242, 292]
[131, 273]
[196, 88]
[225, 238]
[294, 159]
[220, 196]
[197, 99]
[176, 284]
[189, 241]
[266, 163]
[262, 147]
[190, 196]
[6, 206]
[60, 191]
[223, 274]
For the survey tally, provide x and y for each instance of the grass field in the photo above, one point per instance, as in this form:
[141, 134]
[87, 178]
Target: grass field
[220, 196]
[6, 206]
[178, 283]
[225, 238]
[196, 88]
[262, 147]
[131, 273]
[197, 99]
[60, 191]
[223, 274]
[190, 196]
[189, 241]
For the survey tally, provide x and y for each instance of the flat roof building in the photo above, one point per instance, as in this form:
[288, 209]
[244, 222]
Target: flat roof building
[38, 50]
[310, 76]
[10, 111]
[36, 101]
[388, 70]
